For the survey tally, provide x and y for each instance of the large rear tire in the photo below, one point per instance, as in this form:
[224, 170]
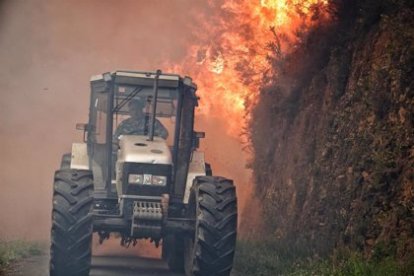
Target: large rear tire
[71, 235]
[213, 206]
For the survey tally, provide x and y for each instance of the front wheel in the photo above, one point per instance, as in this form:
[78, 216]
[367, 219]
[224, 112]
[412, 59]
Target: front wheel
[213, 206]
[71, 235]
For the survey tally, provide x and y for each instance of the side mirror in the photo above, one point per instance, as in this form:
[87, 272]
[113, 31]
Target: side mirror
[82, 126]
[85, 128]
[199, 134]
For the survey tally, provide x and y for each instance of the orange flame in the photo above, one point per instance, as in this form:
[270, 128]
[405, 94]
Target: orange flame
[231, 57]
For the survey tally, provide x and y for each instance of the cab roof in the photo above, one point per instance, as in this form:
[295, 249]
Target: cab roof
[145, 79]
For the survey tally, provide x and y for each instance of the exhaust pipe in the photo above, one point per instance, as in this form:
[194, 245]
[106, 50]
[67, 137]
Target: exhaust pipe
[154, 105]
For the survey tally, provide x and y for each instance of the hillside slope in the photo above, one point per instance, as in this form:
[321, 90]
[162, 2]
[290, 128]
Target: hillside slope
[333, 136]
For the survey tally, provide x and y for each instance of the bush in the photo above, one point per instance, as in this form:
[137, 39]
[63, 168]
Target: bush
[276, 257]
[11, 251]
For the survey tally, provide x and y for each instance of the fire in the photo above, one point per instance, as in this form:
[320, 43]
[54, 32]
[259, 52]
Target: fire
[284, 12]
[230, 58]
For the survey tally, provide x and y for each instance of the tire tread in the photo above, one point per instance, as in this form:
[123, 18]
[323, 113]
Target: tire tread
[215, 241]
[71, 234]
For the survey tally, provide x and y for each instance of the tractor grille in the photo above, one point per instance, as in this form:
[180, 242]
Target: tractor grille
[145, 190]
[131, 203]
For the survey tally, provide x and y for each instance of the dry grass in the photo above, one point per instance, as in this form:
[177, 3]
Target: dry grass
[11, 251]
[279, 258]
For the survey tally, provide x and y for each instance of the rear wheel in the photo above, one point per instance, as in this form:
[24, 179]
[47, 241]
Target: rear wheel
[213, 206]
[71, 235]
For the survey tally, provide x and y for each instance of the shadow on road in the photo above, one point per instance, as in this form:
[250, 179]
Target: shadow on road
[101, 266]
[129, 265]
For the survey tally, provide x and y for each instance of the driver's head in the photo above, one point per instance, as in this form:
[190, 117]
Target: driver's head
[135, 107]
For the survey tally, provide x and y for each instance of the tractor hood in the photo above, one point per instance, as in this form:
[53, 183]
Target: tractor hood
[137, 148]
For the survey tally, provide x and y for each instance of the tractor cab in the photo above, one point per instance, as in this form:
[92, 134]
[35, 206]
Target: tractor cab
[118, 159]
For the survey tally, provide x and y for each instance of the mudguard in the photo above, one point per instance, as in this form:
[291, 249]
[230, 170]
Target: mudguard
[79, 159]
[197, 167]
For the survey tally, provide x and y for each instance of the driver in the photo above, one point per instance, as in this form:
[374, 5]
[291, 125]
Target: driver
[139, 123]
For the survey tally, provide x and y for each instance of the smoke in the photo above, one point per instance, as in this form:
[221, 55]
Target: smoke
[48, 51]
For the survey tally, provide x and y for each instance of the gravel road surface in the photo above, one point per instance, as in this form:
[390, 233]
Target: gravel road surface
[109, 259]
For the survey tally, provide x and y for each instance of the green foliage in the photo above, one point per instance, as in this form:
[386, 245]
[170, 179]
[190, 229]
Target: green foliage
[275, 257]
[14, 250]
[262, 258]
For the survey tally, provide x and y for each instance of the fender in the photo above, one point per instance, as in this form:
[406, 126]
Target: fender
[80, 159]
[197, 167]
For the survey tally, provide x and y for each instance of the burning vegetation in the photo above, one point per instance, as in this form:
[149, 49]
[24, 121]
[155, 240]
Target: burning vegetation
[332, 139]
[235, 42]
[323, 92]
[318, 92]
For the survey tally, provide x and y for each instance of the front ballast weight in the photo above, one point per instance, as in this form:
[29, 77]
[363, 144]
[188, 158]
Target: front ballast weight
[147, 220]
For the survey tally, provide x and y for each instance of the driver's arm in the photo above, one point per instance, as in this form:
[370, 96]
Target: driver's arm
[119, 130]
[160, 130]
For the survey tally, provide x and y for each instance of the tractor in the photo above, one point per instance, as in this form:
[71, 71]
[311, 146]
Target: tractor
[142, 183]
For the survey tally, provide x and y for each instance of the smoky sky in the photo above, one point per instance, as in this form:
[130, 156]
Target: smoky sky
[48, 51]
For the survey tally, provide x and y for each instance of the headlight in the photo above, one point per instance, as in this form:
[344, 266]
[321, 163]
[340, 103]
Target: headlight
[147, 179]
[159, 180]
[135, 179]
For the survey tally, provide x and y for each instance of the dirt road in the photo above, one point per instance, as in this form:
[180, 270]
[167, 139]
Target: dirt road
[101, 266]
[109, 259]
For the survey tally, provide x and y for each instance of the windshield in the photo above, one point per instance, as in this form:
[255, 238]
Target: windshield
[132, 112]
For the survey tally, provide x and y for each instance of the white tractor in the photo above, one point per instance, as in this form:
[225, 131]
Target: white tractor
[149, 182]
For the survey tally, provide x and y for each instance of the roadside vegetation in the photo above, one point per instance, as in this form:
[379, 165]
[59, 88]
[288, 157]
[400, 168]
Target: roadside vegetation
[332, 138]
[273, 257]
[11, 251]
